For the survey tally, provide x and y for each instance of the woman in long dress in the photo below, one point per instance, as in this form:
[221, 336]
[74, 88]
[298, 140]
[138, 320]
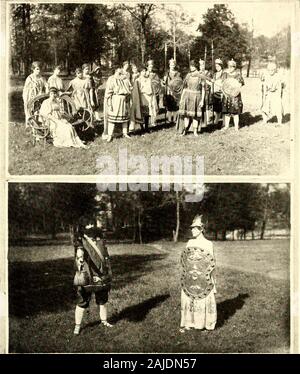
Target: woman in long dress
[90, 91]
[34, 85]
[63, 133]
[216, 95]
[77, 89]
[198, 308]
[192, 100]
[173, 85]
[232, 106]
[273, 86]
[135, 108]
[117, 102]
[55, 80]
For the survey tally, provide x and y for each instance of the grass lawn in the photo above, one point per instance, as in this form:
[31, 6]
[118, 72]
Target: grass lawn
[256, 149]
[253, 300]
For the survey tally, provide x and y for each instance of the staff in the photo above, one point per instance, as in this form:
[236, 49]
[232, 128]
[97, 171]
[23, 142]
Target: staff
[212, 70]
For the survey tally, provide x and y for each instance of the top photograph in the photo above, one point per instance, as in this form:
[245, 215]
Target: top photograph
[187, 88]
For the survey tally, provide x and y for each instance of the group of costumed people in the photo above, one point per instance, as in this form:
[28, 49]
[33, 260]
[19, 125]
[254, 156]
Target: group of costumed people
[93, 275]
[132, 97]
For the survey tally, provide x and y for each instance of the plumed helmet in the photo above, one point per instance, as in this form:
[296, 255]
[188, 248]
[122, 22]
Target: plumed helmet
[198, 222]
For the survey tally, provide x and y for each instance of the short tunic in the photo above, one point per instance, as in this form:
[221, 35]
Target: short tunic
[233, 105]
[191, 98]
[117, 98]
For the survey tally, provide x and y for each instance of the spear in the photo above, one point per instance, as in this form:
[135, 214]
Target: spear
[212, 87]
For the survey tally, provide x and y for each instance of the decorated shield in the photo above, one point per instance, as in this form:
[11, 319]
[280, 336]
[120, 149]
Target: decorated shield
[155, 84]
[175, 85]
[197, 264]
[231, 87]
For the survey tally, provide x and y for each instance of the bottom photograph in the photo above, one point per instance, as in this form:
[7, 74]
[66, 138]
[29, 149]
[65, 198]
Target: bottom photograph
[93, 270]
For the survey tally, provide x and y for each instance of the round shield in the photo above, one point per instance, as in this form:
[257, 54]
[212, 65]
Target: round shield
[197, 265]
[175, 85]
[231, 87]
[156, 87]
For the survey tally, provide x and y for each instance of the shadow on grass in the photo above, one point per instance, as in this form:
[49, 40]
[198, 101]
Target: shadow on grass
[138, 312]
[227, 308]
[247, 119]
[47, 287]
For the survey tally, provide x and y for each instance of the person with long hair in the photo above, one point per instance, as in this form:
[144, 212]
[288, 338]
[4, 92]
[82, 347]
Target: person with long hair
[34, 85]
[198, 302]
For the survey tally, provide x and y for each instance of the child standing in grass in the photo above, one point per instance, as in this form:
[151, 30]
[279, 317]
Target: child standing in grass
[93, 274]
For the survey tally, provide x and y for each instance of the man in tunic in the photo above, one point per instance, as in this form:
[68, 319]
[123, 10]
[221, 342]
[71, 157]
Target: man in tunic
[272, 86]
[156, 86]
[93, 274]
[216, 95]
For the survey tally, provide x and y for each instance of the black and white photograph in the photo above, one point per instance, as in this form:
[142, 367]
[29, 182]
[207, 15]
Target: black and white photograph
[190, 78]
[149, 181]
[133, 272]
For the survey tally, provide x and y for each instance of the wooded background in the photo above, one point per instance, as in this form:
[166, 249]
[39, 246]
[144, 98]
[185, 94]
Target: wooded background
[73, 34]
[230, 211]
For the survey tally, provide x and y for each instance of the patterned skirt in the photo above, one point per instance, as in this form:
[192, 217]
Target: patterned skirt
[232, 105]
[119, 110]
[189, 105]
[199, 314]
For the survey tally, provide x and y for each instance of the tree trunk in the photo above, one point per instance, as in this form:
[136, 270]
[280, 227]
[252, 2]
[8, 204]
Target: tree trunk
[176, 233]
[140, 226]
[224, 235]
[174, 41]
[249, 66]
[216, 234]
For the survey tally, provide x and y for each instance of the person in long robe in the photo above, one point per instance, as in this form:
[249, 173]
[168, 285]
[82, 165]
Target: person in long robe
[90, 91]
[135, 108]
[117, 102]
[192, 100]
[144, 103]
[272, 85]
[232, 106]
[77, 89]
[173, 86]
[93, 274]
[156, 90]
[55, 80]
[199, 313]
[63, 133]
[207, 89]
[34, 86]
[217, 94]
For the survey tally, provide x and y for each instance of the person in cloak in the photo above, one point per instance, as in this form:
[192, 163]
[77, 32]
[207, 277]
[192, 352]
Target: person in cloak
[198, 302]
[93, 273]
[207, 89]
